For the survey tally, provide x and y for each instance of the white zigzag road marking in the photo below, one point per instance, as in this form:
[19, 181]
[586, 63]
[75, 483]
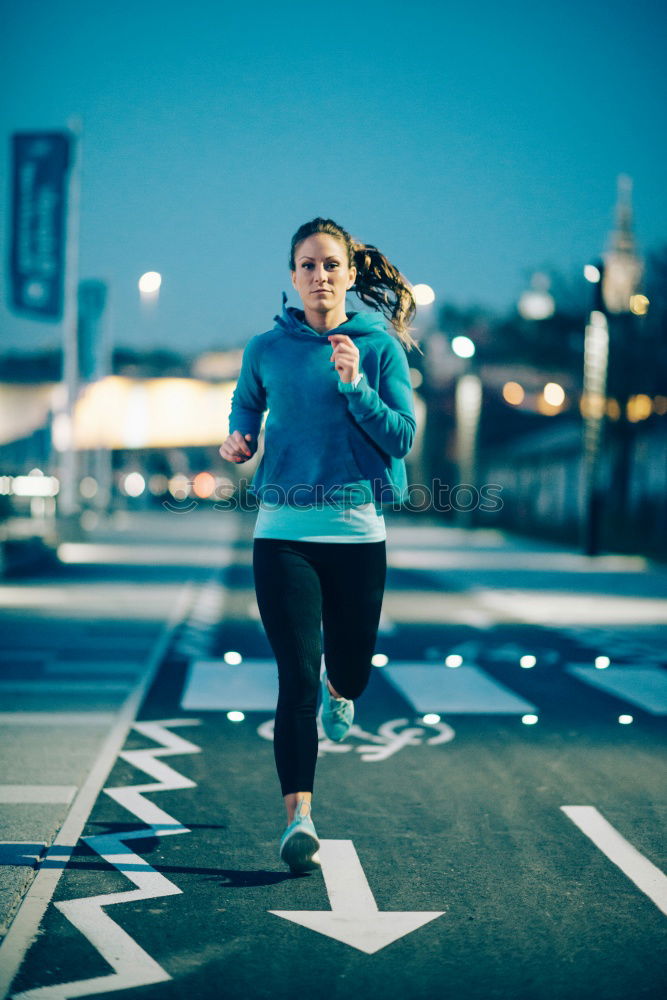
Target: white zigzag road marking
[131, 964]
[170, 780]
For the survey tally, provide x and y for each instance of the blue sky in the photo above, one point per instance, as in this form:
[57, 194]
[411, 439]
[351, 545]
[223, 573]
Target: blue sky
[471, 145]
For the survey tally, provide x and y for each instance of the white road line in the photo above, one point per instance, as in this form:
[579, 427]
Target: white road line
[31, 794]
[645, 687]
[649, 879]
[25, 925]
[57, 718]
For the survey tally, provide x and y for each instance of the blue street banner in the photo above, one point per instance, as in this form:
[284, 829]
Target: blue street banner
[40, 162]
[92, 298]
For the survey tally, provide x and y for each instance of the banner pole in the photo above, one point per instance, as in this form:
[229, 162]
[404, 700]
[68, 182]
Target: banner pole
[68, 498]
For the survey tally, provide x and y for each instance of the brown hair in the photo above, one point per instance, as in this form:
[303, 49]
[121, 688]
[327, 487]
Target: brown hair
[378, 283]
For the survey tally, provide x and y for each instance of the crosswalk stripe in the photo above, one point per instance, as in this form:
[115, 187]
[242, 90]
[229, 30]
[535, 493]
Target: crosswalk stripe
[645, 687]
[466, 690]
[251, 686]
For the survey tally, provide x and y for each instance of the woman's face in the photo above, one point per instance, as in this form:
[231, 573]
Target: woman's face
[322, 275]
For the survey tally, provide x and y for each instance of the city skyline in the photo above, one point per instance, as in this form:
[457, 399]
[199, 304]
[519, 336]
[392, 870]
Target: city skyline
[472, 148]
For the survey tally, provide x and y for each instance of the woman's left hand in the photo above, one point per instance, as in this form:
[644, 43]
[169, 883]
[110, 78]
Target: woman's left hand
[345, 356]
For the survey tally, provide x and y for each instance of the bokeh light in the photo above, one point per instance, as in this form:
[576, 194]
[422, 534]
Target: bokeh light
[179, 487]
[513, 393]
[203, 485]
[424, 295]
[133, 484]
[88, 487]
[639, 305]
[554, 394]
[463, 347]
[150, 282]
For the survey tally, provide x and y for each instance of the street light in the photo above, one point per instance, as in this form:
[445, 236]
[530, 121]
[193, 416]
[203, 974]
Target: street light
[149, 283]
[149, 292]
[424, 297]
[467, 407]
[536, 303]
[593, 403]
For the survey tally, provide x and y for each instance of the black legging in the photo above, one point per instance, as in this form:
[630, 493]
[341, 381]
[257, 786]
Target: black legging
[305, 589]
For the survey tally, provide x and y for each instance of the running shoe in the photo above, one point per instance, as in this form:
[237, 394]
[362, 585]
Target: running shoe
[336, 714]
[299, 844]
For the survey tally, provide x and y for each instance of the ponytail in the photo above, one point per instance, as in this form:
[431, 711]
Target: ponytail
[378, 283]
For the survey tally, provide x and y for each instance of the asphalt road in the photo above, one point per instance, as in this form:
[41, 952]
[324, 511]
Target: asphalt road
[492, 827]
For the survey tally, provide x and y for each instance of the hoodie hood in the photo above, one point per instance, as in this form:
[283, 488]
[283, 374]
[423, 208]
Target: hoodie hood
[358, 324]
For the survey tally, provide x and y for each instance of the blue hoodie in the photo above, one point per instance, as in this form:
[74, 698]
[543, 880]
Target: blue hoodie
[324, 440]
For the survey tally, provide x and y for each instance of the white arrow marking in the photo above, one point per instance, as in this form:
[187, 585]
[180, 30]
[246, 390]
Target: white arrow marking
[354, 917]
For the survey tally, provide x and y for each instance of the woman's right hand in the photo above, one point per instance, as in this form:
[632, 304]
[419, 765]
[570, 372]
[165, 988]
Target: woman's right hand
[236, 448]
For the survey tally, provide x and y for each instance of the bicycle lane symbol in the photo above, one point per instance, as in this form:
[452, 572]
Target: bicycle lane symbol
[391, 737]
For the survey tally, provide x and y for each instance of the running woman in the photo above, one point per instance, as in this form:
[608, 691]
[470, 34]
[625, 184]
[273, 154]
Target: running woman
[341, 420]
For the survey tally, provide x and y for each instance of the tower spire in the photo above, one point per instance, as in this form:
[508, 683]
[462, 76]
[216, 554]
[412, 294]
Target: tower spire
[623, 267]
[622, 237]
